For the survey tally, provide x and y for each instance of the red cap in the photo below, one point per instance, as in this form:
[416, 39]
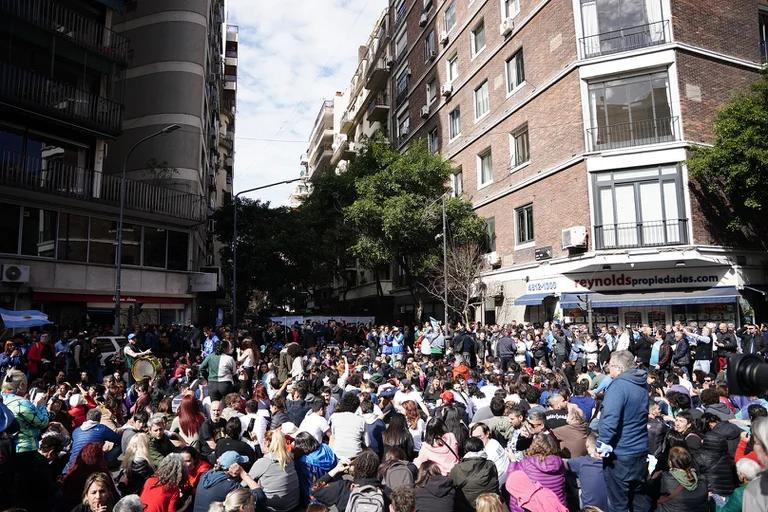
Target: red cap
[446, 396]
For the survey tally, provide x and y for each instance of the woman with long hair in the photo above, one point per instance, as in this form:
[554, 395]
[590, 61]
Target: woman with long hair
[239, 500]
[681, 487]
[452, 417]
[395, 470]
[136, 466]
[541, 464]
[196, 466]
[162, 491]
[414, 422]
[190, 418]
[312, 460]
[439, 446]
[434, 491]
[90, 460]
[488, 502]
[276, 474]
[98, 494]
[397, 435]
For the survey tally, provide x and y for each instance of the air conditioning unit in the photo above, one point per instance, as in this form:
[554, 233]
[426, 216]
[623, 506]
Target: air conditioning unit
[432, 54]
[403, 132]
[425, 111]
[444, 38]
[15, 273]
[427, 4]
[507, 26]
[446, 89]
[575, 237]
[423, 20]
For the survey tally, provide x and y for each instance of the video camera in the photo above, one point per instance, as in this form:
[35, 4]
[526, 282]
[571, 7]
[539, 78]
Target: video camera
[747, 375]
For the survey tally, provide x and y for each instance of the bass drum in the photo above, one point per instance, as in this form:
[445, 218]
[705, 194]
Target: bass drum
[146, 367]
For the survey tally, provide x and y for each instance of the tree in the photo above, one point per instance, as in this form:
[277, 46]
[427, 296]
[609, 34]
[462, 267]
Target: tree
[397, 213]
[734, 171]
[460, 277]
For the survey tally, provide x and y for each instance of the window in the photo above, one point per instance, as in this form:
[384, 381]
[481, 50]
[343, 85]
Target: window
[131, 244]
[510, 8]
[9, 228]
[639, 208]
[611, 26]
[178, 250]
[484, 168]
[400, 44]
[763, 24]
[490, 234]
[403, 125]
[154, 247]
[453, 67]
[102, 241]
[403, 80]
[38, 232]
[524, 216]
[631, 112]
[515, 71]
[433, 141]
[450, 17]
[477, 38]
[73, 237]
[520, 149]
[457, 183]
[430, 46]
[431, 91]
[482, 100]
[454, 119]
[402, 9]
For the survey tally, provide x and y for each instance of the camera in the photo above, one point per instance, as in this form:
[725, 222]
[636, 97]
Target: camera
[747, 375]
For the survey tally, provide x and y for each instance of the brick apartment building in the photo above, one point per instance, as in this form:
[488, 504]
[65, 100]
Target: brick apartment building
[569, 123]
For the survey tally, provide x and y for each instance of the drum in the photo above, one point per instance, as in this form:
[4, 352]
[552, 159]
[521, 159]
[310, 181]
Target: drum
[146, 366]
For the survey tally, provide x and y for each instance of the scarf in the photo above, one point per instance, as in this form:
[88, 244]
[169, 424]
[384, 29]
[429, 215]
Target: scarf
[682, 478]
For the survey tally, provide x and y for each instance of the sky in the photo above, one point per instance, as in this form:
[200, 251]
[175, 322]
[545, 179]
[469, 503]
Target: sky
[292, 55]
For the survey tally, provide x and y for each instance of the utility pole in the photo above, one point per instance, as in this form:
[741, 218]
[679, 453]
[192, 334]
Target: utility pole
[445, 268]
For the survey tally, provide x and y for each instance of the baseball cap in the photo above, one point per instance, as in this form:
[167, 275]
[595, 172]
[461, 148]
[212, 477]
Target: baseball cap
[131, 336]
[288, 428]
[446, 396]
[231, 457]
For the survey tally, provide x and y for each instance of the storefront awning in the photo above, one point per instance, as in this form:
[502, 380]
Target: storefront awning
[719, 295]
[124, 299]
[532, 299]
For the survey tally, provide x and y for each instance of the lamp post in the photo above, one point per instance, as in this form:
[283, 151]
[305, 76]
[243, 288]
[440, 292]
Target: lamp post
[445, 267]
[119, 248]
[234, 241]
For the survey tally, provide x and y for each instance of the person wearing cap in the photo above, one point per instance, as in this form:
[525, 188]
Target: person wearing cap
[131, 352]
[223, 478]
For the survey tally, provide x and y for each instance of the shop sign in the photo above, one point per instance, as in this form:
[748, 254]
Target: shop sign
[635, 280]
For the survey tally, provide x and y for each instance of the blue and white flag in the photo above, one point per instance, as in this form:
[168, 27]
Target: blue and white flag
[28, 318]
[435, 324]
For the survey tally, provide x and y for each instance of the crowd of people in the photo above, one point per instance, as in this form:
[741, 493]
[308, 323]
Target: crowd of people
[424, 418]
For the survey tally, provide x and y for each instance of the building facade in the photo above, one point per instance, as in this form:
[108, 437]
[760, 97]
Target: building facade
[81, 82]
[569, 124]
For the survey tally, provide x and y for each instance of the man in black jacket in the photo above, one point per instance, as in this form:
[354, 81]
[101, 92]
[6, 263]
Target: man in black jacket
[642, 347]
[726, 345]
[751, 340]
[506, 350]
[681, 357]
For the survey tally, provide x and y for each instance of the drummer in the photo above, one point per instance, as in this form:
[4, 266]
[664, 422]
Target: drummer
[130, 351]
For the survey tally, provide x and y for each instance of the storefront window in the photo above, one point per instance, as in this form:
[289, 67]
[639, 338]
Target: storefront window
[633, 318]
[9, 228]
[73, 237]
[38, 233]
[154, 247]
[657, 318]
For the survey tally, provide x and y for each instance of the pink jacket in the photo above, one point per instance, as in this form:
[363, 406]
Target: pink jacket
[526, 494]
[440, 455]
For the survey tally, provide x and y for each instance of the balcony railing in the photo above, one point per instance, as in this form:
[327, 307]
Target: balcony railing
[642, 234]
[25, 172]
[40, 94]
[68, 23]
[626, 39]
[635, 133]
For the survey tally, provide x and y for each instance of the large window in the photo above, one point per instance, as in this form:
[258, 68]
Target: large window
[430, 46]
[431, 91]
[73, 237]
[524, 216]
[403, 80]
[510, 8]
[401, 43]
[457, 183]
[9, 228]
[477, 38]
[490, 234]
[515, 71]
[403, 125]
[482, 100]
[611, 26]
[631, 112]
[763, 24]
[519, 147]
[38, 232]
[154, 247]
[178, 250]
[453, 67]
[433, 140]
[102, 241]
[484, 168]
[454, 119]
[639, 207]
[450, 17]
[131, 245]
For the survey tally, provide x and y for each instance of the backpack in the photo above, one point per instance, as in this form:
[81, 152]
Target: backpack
[366, 498]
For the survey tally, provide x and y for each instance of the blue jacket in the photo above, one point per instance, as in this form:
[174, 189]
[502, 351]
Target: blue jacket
[89, 432]
[214, 485]
[624, 417]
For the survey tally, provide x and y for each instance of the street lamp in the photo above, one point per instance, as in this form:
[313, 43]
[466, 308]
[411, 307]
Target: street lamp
[234, 241]
[119, 249]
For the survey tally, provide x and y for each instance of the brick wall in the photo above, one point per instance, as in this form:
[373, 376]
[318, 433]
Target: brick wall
[729, 27]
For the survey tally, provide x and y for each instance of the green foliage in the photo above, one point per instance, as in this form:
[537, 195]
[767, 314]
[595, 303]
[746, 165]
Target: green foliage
[734, 171]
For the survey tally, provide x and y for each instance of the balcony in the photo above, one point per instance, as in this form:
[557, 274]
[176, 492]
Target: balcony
[69, 24]
[62, 101]
[378, 109]
[21, 171]
[626, 39]
[642, 234]
[377, 75]
[635, 133]
[347, 122]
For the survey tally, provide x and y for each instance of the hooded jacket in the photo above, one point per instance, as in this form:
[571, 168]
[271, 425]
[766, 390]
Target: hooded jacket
[527, 494]
[89, 432]
[444, 455]
[716, 458]
[549, 472]
[624, 417]
[473, 476]
[214, 485]
[313, 465]
[437, 495]
[31, 420]
[720, 410]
